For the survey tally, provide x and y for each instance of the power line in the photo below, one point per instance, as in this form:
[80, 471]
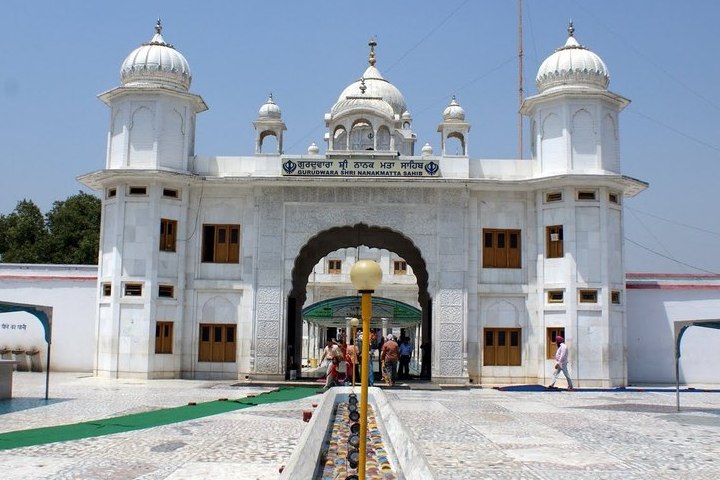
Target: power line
[631, 45]
[669, 258]
[486, 73]
[650, 232]
[711, 232]
[428, 35]
[675, 130]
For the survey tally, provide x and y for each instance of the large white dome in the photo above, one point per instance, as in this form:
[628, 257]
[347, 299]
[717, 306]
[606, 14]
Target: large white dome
[373, 85]
[572, 65]
[156, 63]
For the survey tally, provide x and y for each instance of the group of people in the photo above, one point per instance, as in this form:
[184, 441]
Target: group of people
[343, 359]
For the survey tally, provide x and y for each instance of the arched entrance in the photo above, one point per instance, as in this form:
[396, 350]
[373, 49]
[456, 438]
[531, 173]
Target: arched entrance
[345, 237]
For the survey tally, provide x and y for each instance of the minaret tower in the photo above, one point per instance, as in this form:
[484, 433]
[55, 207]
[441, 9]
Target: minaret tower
[147, 185]
[152, 118]
[574, 117]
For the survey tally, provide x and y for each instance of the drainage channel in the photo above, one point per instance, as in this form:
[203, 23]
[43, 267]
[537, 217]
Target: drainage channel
[325, 448]
[340, 456]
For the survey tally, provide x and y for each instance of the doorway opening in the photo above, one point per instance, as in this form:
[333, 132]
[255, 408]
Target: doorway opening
[366, 240]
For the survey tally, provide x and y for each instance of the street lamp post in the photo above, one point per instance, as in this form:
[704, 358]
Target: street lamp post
[365, 276]
[353, 333]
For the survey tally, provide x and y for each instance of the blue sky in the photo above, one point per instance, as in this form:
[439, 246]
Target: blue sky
[56, 56]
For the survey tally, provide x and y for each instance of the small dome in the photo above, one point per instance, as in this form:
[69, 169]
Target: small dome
[372, 84]
[454, 111]
[406, 115]
[572, 65]
[269, 109]
[427, 149]
[313, 149]
[155, 64]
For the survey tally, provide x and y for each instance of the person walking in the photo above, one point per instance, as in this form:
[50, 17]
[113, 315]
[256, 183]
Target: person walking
[406, 350]
[561, 363]
[389, 357]
[351, 356]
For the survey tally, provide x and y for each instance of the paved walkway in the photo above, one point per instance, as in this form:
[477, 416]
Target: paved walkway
[465, 434]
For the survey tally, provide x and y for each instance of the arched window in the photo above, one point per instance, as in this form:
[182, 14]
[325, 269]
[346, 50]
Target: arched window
[383, 138]
[268, 142]
[340, 139]
[362, 136]
[455, 144]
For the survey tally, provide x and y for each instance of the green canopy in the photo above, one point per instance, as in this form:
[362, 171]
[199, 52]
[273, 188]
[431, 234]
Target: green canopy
[335, 312]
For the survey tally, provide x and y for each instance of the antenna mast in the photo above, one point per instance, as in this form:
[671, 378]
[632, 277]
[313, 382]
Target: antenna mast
[520, 81]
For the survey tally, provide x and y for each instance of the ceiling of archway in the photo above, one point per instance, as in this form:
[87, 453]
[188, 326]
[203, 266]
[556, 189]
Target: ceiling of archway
[354, 236]
[335, 312]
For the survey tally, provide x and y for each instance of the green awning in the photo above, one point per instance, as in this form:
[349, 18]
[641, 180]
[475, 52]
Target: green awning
[335, 312]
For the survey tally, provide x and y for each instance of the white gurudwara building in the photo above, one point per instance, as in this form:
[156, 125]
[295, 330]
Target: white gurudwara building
[235, 267]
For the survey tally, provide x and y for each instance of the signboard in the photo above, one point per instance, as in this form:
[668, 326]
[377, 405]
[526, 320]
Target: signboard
[360, 168]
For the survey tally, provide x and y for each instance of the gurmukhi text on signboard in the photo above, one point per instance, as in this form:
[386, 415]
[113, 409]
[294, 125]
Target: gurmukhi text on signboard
[361, 168]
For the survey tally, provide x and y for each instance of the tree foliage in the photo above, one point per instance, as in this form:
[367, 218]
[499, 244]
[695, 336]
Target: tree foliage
[68, 234]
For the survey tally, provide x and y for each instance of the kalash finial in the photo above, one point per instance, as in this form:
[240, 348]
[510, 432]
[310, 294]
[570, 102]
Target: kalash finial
[571, 29]
[372, 43]
[158, 26]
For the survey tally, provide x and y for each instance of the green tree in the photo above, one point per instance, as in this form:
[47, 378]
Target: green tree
[68, 234]
[74, 230]
[23, 234]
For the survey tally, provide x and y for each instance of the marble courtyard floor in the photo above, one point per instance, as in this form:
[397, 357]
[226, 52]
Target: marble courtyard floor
[464, 434]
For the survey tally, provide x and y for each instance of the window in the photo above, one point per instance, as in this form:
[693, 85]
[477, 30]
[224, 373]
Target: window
[501, 347]
[221, 243]
[614, 198]
[133, 290]
[166, 291]
[588, 296]
[111, 192]
[551, 347]
[106, 289]
[555, 296]
[170, 193]
[553, 197]
[501, 248]
[137, 190]
[615, 297]
[586, 195]
[554, 241]
[400, 267]
[217, 343]
[164, 337]
[334, 266]
[168, 235]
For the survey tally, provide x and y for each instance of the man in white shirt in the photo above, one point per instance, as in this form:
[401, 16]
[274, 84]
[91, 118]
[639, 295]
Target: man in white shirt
[561, 362]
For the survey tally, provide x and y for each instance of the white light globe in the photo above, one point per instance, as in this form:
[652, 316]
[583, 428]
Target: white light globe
[366, 275]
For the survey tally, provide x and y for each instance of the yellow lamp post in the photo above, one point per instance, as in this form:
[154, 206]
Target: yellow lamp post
[365, 275]
[353, 332]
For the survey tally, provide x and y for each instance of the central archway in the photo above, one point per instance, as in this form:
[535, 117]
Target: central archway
[349, 236]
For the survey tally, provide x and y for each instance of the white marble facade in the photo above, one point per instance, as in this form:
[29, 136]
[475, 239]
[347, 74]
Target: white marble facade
[431, 209]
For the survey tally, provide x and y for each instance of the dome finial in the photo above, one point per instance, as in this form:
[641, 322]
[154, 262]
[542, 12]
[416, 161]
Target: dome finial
[571, 29]
[158, 26]
[372, 43]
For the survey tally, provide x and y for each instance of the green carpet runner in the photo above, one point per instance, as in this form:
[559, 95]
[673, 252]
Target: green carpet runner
[137, 421]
